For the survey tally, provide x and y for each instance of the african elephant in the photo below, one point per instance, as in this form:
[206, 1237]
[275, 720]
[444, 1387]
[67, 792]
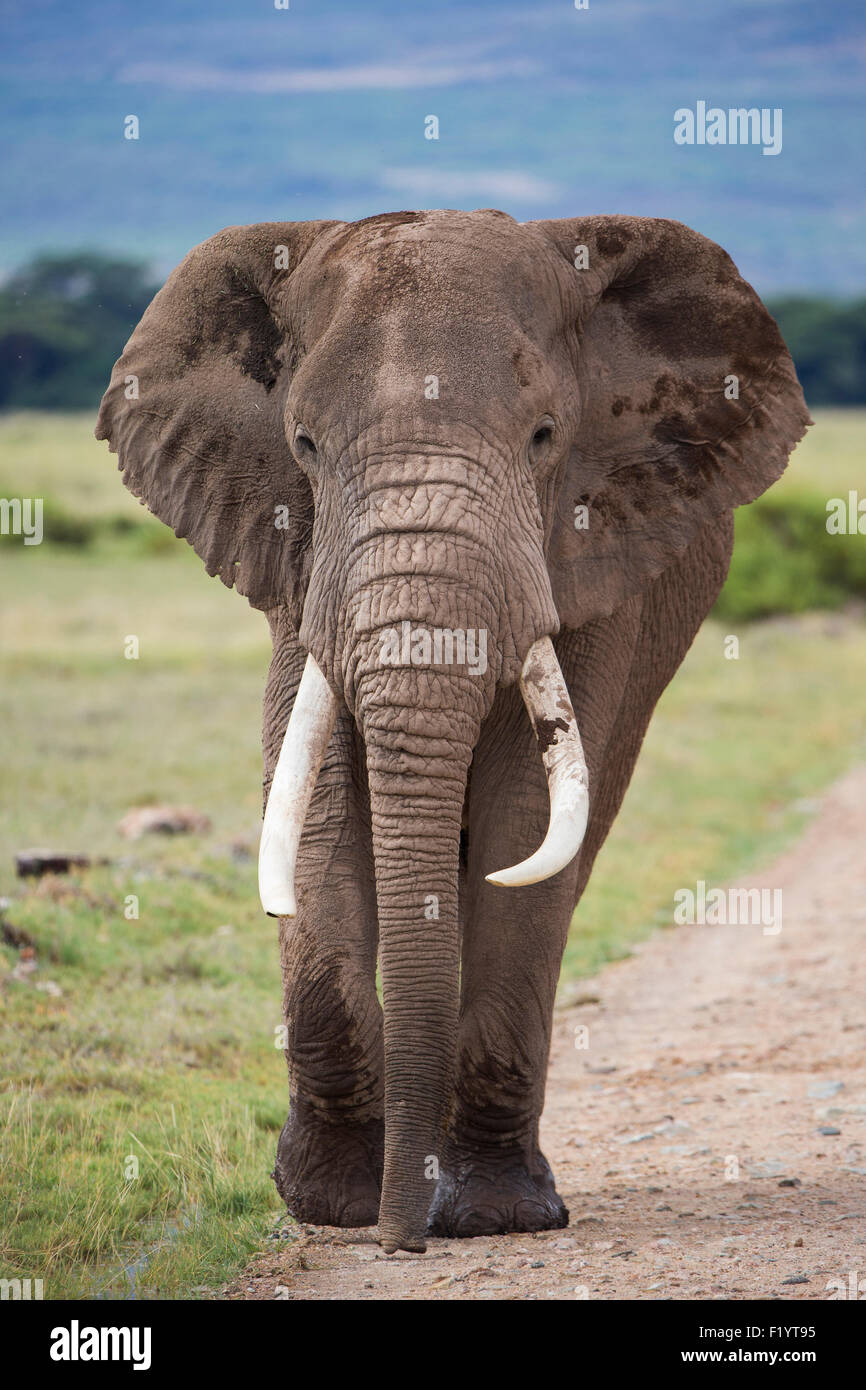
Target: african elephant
[480, 475]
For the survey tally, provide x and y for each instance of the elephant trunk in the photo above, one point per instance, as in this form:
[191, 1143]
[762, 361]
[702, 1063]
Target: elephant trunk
[418, 753]
[305, 744]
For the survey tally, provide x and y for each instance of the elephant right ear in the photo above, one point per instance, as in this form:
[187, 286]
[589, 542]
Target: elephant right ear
[195, 408]
[689, 405]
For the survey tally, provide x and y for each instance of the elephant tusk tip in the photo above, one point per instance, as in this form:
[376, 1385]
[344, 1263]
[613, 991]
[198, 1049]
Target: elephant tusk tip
[519, 876]
[555, 854]
[548, 703]
[276, 906]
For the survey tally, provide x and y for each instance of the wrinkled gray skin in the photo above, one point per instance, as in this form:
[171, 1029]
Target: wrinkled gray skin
[288, 365]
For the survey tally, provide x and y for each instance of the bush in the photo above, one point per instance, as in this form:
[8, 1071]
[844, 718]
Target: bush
[785, 560]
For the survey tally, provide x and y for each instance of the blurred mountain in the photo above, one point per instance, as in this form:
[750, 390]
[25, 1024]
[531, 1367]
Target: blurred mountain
[248, 112]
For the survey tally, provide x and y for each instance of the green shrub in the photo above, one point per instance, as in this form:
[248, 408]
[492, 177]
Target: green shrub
[785, 560]
[62, 525]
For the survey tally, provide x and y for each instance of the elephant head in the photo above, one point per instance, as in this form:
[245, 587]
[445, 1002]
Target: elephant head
[443, 426]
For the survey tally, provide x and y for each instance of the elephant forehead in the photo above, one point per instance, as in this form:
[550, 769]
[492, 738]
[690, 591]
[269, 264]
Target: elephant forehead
[437, 265]
[431, 312]
[429, 369]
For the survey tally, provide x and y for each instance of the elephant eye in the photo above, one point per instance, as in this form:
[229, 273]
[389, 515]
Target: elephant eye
[542, 438]
[303, 445]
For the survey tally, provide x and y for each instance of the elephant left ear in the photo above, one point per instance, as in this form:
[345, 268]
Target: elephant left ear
[195, 411]
[690, 404]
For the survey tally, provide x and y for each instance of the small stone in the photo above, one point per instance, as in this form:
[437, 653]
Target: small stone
[828, 1130]
[771, 1169]
[163, 820]
[673, 1127]
[796, 1279]
[823, 1090]
[33, 863]
[16, 937]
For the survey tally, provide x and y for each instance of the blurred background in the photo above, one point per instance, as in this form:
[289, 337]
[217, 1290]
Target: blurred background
[250, 113]
[139, 995]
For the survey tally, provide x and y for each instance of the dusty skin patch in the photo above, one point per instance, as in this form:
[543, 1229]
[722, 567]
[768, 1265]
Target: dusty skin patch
[709, 1042]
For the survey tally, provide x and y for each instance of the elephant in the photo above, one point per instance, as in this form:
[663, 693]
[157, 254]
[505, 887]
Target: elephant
[412, 441]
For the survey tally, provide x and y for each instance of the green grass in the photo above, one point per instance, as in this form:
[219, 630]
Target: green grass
[734, 749]
[160, 1045]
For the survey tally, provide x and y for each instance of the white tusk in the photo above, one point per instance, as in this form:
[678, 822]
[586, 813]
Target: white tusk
[546, 696]
[301, 756]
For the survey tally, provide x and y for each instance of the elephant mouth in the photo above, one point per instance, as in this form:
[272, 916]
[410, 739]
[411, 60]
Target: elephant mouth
[306, 741]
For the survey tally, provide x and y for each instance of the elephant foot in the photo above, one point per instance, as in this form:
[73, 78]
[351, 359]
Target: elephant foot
[330, 1174]
[491, 1197]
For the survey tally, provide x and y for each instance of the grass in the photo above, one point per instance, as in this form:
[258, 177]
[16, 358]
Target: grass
[735, 753]
[143, 1093]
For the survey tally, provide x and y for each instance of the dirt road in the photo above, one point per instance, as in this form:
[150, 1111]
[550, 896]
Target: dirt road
[709, 1142]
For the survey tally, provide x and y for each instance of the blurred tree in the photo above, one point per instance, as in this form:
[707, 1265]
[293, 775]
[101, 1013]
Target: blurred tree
[63, 322]
[827, 341]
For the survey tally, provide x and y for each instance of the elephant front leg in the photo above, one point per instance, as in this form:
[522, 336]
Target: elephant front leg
[329, 1158]
[493, 1177]
[330, 1153]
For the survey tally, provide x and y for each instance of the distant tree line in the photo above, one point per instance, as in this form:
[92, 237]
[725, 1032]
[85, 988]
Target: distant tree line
[827, 340]
[64, 321]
